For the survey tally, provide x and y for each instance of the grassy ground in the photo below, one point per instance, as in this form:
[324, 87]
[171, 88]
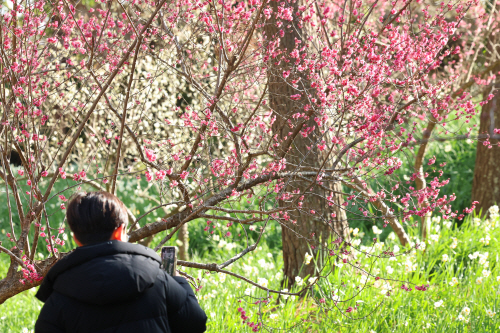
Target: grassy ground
[460, 267]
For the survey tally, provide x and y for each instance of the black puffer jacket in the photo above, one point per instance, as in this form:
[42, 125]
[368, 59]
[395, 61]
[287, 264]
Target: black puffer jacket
[116, 287]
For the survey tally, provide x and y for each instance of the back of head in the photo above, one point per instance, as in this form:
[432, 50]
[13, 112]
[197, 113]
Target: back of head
[94, 216]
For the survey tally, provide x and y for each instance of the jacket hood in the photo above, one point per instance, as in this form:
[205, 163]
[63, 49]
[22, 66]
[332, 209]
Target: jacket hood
[103, 273]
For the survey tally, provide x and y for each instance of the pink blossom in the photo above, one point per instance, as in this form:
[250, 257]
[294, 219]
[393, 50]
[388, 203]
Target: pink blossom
[149, 177]
[160, 175]
[150, 154]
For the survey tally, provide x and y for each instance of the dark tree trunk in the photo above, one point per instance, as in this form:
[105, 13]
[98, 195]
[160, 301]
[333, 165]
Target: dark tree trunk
[486, 183]
[310, 231]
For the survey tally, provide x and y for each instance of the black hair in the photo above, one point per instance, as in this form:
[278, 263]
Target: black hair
[94, 216]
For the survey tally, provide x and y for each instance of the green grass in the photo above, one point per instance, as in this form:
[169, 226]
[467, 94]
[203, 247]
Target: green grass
[19, 313]
[402, 311]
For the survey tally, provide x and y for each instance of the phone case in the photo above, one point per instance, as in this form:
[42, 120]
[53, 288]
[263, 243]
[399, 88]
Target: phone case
[169, 259]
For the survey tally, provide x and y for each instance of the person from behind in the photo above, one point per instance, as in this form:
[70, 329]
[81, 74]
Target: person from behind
[108, 285]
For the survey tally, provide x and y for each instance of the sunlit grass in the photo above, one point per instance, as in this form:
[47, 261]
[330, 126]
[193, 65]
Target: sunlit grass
[454, 265]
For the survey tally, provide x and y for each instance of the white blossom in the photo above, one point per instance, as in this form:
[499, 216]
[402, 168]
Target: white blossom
[493, 210]
[454, 281]
[376, 230]
[307, 258]
[465, 311]
[263, 282]
[299, 281]
[438, 304]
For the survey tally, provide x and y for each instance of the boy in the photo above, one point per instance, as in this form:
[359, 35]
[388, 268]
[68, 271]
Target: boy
[109, 285]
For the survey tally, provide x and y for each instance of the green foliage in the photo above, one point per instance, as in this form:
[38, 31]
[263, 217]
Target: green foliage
[460, 157]
[458, 153]
[19, 314]
[446, 257]
[202, 242]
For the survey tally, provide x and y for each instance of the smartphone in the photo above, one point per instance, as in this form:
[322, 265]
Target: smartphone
[169, 259]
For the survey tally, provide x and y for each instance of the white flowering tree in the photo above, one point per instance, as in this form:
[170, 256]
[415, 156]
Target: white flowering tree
[242, 113]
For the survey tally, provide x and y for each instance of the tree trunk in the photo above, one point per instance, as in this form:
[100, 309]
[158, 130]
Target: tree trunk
[486, 183]
[10, 286]
[183, 237]
[420, 180]
[308, 232]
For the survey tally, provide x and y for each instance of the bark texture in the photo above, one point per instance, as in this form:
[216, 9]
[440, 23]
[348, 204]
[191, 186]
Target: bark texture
[311, 231]
[10, 285]
[420, 180]
[183, 236]
[486, 182]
